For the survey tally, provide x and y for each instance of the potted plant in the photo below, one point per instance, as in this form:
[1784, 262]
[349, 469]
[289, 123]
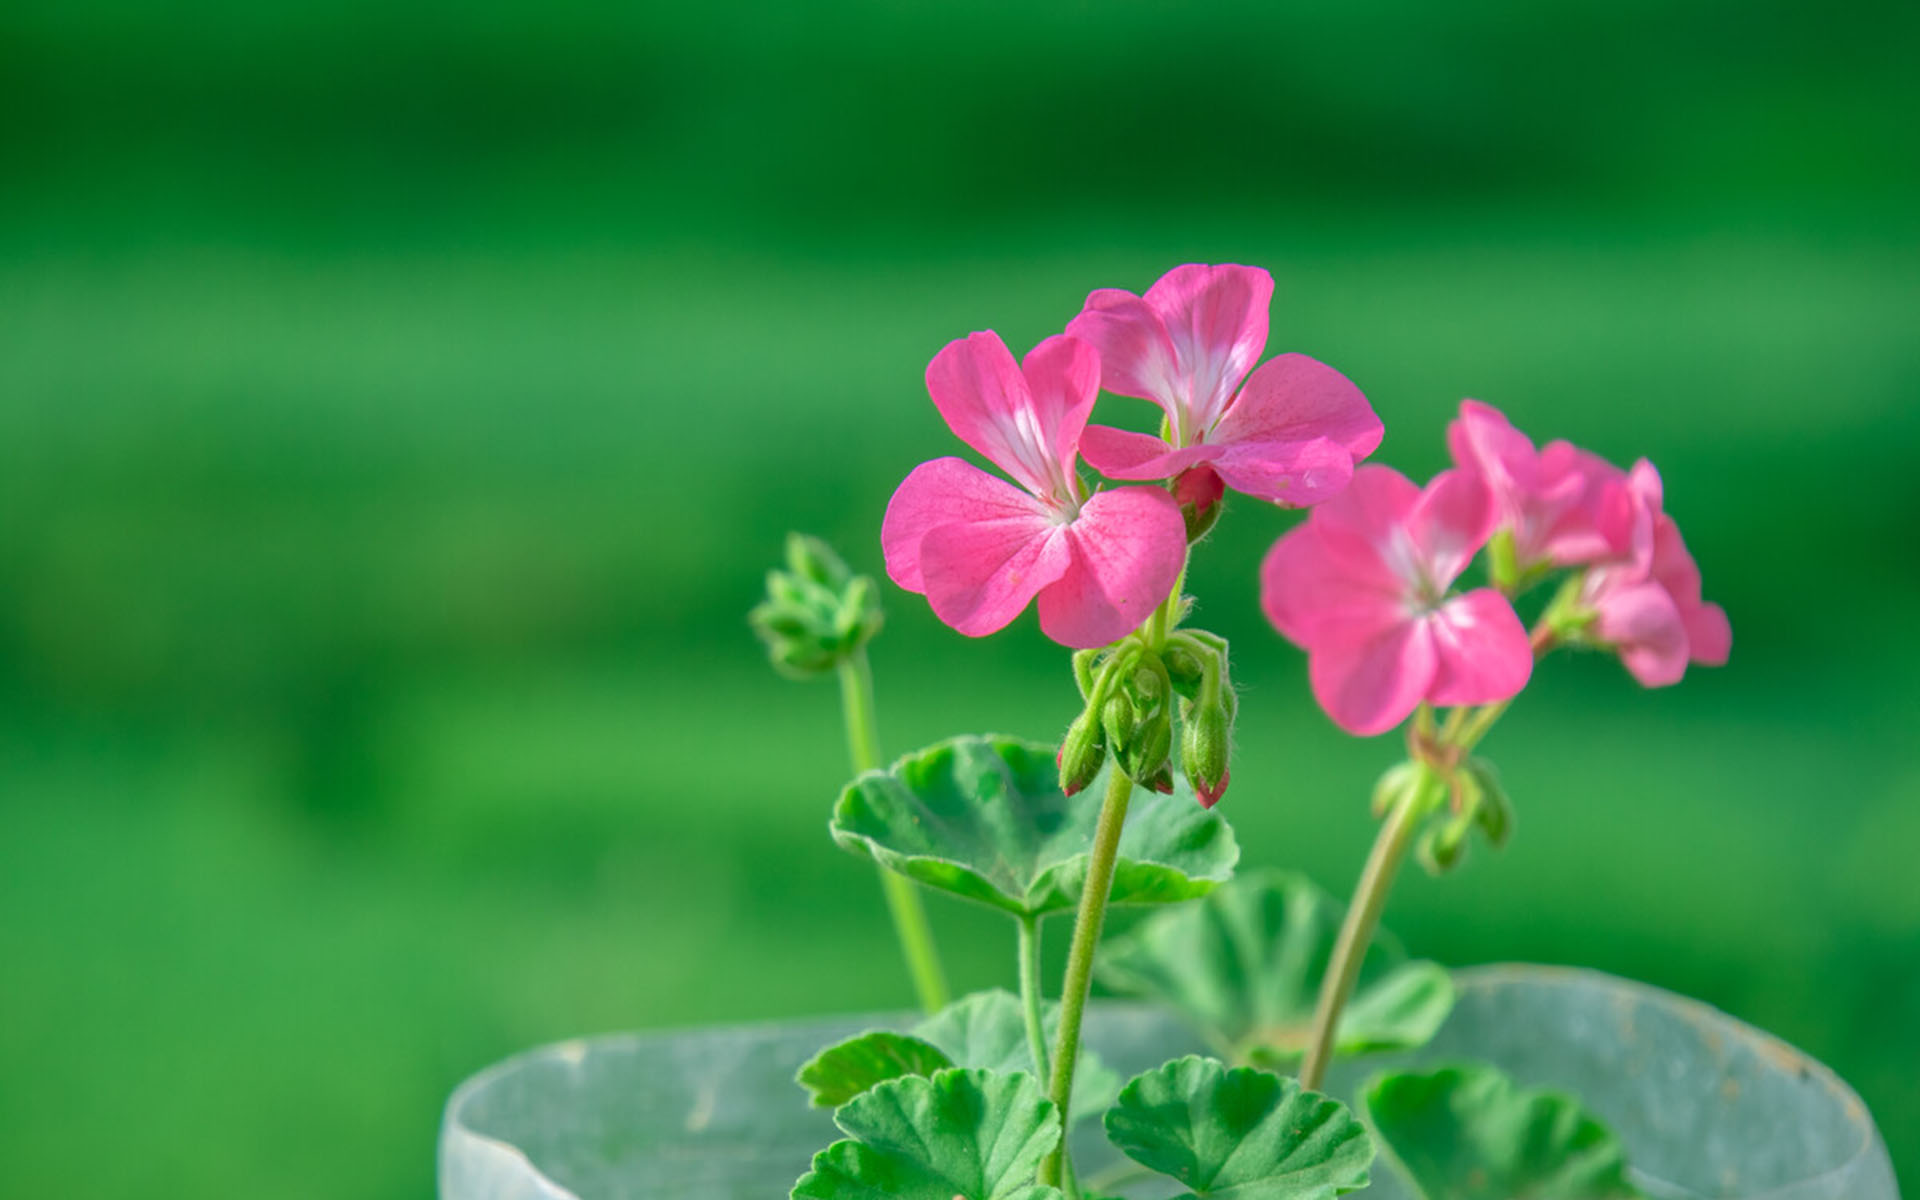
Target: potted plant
[1278, 1045]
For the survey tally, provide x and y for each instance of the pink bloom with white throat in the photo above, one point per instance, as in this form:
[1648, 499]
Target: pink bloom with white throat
[980, 548]
[1362, 585]
[1291, 435]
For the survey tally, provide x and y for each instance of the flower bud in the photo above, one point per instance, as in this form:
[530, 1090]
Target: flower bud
[1206, 736]
[1117, 720]
[817, 613]
[1144, 755]
[1391, 789]
[1161, 781]
[1441, 847]
[1198, 491]
[1494, 815]
[1082, 753]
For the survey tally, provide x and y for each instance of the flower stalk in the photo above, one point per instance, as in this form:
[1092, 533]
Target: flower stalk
[903, 901]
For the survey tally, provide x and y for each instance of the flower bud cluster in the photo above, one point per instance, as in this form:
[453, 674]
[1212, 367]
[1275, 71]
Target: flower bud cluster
[1458, 792]
[817, 611]
[1134, 692]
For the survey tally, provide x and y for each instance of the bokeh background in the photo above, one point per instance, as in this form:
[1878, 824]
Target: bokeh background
[400, 403]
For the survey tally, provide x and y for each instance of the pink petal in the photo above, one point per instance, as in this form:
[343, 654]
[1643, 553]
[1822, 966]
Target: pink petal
[1136, 356]
[1216, 319]
[1641, 621]
[1127, 545]
[1063, 373]
[1453, 518]
[1485, 442]
[980, 575]
[1120, 454]
[1313, 595]
[944, 491]
[988, 404]
[1482, 650]
[1369, 687]
[1296, 399]
[1709, 636]
[1366, 522]
[1291, 474]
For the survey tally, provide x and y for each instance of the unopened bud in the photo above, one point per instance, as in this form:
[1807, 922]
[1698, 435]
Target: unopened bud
[812, 559]
[1081, 754]
[1198, 491]
[1206, 737]
[1441, 847]
[1495, 814]
[1116, 718]
[1392, 788]
[1145, 753]
[1161, 781]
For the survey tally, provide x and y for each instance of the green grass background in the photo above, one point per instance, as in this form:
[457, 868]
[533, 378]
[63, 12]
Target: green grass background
[399, 404]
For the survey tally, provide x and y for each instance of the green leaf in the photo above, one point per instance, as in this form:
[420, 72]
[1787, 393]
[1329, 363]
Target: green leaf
[984, 818]
[988, 1030]
[961, 1135]
[1244, 966]
[841, 1072]
[1470, 1133]
[1242, 1134]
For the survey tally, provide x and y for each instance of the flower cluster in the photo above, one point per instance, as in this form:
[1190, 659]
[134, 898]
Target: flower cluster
[1101, 561]
[1364, 585]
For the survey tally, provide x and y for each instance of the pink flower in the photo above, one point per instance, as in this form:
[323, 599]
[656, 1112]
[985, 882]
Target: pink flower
[1362, 586]
[979, 548]
[1561, 502]
[1291, 435]
[1646, 603]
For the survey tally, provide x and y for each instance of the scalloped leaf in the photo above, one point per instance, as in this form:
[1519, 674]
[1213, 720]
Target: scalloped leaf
[846, 1069]
[1244, 966]
[987, 1029]
[1470, 1133]
[984, 818]
[960, 1135]
[1240, 1133]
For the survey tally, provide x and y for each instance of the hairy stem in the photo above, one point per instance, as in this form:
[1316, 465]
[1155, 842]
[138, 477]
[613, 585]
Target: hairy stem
[1363, 916]
[1086, 937]
[1030, 997]
[903, 900]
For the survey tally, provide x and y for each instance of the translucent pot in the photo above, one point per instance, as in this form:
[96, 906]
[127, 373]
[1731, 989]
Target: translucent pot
[1708, 1107]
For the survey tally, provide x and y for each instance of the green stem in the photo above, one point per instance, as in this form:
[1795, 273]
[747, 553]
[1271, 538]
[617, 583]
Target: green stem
[1161, 622]
[1030, 997]
[909, 915]
[1086, 937]
[1363, 916]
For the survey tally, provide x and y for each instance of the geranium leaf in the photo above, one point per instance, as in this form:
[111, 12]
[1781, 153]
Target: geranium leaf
[987, 1029]
[1240, 1133]
[984, 818]
[960, 1135]
[1244, 965]
[1470, 1133]
[842, 1071]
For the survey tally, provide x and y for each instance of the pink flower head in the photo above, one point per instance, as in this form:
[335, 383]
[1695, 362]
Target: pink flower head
[1291, 435]
[1362, 587]
[1646, 603]
[1560, 502]
[980, 548]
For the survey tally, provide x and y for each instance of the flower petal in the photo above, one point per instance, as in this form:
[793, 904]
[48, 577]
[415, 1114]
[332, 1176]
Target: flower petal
[1365, 525]
[1313, 595]
[1216, 319]
[943, 492]
[1136, 356]
[988, 404]
[1453, 518]
[1128, 545]
[1121, 454]
[1641, 621]
[1290, 474]
[1368, 687]
[1709, 636]
[1063, 374]
[981, 574]
[1293, 400]
[1481, 648]
[1485, 442]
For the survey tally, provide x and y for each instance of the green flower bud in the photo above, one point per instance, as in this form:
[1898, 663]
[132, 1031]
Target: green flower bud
[1392, 788]
[1082, 753]
[1117, 720]
[1494, 816]
[1206, 738]
[817, 613]
[1441, 847]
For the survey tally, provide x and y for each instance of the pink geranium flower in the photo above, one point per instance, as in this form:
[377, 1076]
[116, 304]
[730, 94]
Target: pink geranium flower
[1291, 435]
[980, 548]
[1363, 585]
[1647, 603]
[1561, 502]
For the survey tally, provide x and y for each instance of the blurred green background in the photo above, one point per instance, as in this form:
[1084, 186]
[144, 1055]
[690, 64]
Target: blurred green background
[399, 405]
